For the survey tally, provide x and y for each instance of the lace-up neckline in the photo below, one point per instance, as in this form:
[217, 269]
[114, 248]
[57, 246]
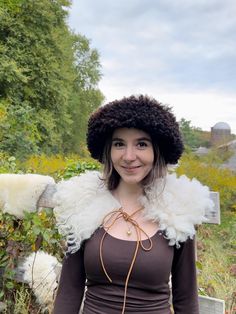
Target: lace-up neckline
[115, 215]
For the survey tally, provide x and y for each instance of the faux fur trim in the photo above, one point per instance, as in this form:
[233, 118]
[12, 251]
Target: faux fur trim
[180, 206]
[21, 192]
[41, 271]
[176, 204]
[81, 204]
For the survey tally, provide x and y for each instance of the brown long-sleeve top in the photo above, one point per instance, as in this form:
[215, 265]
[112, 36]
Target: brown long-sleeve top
[148, 289]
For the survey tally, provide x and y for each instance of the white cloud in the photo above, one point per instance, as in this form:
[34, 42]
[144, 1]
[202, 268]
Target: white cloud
[181, 52]
[203, 109]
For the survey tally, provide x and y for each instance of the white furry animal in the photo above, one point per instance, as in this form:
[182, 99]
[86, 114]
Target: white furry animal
[21, 192]
[41, 271]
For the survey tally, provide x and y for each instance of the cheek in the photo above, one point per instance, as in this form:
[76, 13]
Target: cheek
[150, 158]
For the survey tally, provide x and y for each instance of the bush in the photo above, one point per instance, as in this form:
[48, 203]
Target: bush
[8, 164]
[59, 166]
[19, 238]
[217, 179]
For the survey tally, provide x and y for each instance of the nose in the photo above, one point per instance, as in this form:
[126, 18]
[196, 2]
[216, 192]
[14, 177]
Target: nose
[129, 154]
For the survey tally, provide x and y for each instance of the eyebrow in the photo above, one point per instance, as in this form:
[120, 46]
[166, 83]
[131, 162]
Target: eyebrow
[138, 139]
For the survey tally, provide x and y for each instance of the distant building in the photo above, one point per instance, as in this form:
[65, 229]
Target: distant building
[220, 134]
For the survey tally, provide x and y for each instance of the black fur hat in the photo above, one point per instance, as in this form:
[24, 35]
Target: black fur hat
[140, 112]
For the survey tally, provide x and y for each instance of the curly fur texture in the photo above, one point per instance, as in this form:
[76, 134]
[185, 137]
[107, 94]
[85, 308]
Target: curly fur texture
[21, 192]
[136, 112]
[41, 271]
[82, 202]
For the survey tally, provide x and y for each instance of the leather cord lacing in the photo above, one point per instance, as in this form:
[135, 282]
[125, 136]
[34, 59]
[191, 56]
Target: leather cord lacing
[114, 216]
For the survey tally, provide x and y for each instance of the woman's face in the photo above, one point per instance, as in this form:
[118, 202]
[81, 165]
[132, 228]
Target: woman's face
[132, 154]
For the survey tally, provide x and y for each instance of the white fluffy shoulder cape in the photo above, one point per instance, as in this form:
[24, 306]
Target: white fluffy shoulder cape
[177, 205]
[21, 192]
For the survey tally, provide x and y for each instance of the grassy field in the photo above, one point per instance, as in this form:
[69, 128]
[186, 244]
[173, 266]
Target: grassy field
[216, 243]
[217, 257]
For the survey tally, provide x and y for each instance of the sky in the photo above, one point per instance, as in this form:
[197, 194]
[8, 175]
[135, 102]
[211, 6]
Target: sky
[181, 52]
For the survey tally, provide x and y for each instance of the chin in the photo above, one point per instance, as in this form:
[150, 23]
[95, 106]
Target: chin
[132, 180]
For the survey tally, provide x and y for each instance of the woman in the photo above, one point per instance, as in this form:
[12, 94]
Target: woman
[131, 227]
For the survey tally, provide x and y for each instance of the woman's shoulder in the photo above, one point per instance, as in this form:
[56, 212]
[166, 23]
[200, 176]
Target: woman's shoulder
[178, 204]
[88, 180]
[81, 204]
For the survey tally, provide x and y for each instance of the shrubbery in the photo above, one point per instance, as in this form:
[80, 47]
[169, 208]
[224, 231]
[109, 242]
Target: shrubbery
[217, 179]
[19, 238]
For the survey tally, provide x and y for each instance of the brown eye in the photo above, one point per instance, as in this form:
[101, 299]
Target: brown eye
[142, 145]
[118, 144]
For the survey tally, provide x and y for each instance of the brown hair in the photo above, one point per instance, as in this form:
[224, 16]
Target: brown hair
[112, 178]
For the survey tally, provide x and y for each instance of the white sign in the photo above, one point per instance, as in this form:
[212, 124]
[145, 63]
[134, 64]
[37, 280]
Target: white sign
[213, 215]
[211, 305]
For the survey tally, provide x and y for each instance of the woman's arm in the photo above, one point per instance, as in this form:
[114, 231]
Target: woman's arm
[184, 282]
[71, 286]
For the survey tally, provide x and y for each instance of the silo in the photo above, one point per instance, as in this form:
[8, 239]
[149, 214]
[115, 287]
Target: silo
[220, 134]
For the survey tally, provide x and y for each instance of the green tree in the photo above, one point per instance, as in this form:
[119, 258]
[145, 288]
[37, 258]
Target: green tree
[45, 69]
[85, 97]
[191, 135]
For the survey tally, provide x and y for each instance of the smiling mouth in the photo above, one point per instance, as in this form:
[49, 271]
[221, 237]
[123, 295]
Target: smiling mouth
[130, 168]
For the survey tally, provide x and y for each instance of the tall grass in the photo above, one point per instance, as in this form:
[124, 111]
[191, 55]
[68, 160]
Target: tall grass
[216, 243]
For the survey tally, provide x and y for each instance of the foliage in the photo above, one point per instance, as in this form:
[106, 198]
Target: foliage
[216, 243]
[59, 166]
[222, 180]
[193, 137]
[48, 79]
[22, 301]
[43, 164]
[19, 118]
[216, 255]
[77, 167]
[8, 164]
[216, 157]
[82, 104]
[17, 239]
